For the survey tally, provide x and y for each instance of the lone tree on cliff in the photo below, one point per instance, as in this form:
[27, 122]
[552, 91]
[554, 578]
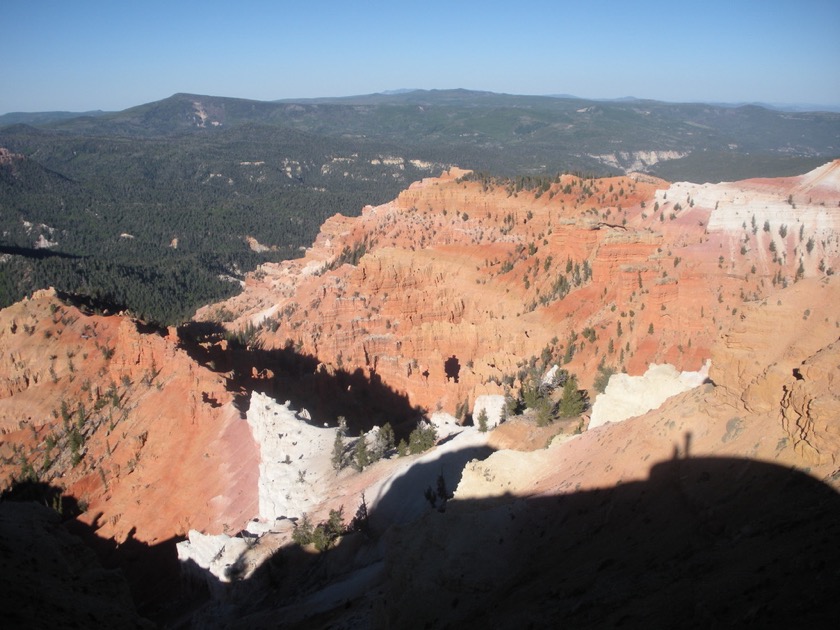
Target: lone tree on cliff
[361, 454]
[482, 420]
[338, 445]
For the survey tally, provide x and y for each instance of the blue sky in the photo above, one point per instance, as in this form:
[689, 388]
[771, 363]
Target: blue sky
[95, 54]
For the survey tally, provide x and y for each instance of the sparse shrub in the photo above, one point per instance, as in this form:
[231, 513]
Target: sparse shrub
[603, 378]
[324, 535]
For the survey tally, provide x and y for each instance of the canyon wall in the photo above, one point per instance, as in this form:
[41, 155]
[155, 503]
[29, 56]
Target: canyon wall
[460, 287]
[122, 418]
[460, 290]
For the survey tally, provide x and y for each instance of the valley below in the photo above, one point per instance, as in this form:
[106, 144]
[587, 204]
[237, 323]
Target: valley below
[490, 401]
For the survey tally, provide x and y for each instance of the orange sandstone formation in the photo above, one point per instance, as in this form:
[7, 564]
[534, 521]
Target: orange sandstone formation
[483, 277]
[143, 437]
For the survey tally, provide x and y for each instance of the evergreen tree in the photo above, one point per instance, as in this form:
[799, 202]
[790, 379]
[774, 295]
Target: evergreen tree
[338, 445]
[603, 378]
[422, 438]
[573, 402]
[361, 454]
[402, 448]
[385, 440]
[482, 421]
[338, 453]
[360, 521]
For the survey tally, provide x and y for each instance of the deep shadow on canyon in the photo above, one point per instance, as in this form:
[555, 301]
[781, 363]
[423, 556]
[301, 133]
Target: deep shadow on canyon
[702, 542]
[361, 397]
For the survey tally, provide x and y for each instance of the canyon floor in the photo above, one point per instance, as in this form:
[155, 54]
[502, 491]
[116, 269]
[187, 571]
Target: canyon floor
[715, 506]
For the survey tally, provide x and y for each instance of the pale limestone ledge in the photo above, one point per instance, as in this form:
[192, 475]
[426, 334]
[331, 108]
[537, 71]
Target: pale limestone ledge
[629, 396]
[294, 458]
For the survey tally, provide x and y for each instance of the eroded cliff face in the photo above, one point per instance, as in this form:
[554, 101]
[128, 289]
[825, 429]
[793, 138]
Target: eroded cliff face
[453, 289]
[781, 360]
[122, 419]
[739, 476]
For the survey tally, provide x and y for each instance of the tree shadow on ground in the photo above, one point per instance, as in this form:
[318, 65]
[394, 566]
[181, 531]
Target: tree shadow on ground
[362, 398]
[35, 253]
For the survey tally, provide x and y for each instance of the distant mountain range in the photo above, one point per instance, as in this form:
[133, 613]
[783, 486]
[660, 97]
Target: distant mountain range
[39, 118]
[505, 133]
[42, 118]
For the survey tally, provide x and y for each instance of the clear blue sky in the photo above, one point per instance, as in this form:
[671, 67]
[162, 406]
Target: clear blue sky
[108, 54]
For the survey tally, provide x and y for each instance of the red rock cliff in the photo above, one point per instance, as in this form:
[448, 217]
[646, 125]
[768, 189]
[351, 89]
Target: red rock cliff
[628, 270]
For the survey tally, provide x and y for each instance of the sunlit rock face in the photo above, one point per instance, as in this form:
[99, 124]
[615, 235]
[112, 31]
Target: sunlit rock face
[154, 427]
[439, 321]
[493, 406]
[447, 291]
[294, 458]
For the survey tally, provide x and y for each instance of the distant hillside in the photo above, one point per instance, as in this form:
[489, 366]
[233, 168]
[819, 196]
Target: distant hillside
[42, 118]
[512, 134]
[160, 207]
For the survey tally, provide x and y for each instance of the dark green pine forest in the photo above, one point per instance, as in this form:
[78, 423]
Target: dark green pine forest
[158, 225]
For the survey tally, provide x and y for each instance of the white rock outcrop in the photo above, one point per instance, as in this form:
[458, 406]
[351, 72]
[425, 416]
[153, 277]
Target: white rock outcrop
[629, 396]
[444, 422]
[493, 405]
[294, 458]
[294, 470]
